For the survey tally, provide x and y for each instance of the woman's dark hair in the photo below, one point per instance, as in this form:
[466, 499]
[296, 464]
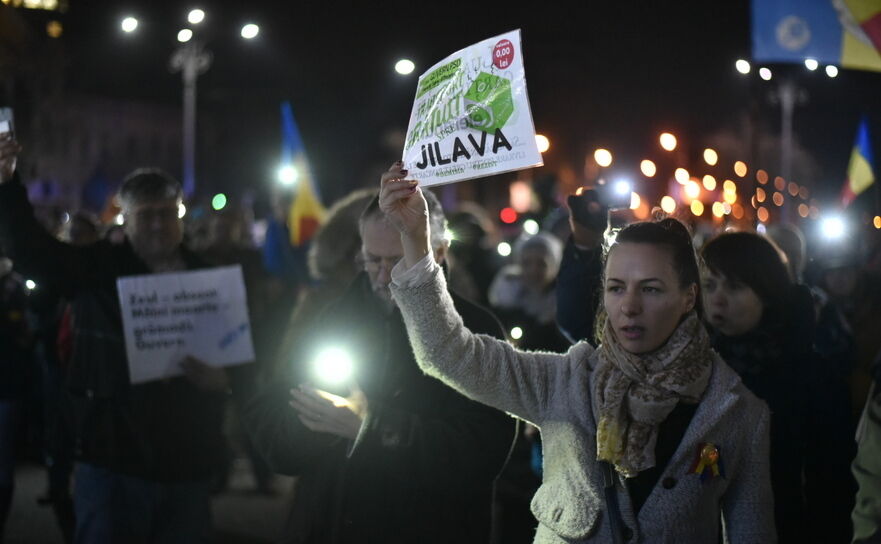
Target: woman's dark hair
[753, 260]
[674, 236]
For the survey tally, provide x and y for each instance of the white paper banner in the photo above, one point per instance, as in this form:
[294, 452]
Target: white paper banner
[471, 115]
[167, 317]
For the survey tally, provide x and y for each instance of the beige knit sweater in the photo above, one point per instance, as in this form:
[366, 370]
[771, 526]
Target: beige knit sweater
[553, 392]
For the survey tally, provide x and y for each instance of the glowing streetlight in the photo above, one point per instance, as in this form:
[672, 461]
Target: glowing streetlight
[542, 142]
[765, 73]
[195, 16]
[648, 168]
[184, 35]
[811, 64]
[288, 175]
[668, 141]
[833, 228]
[603, 157]
[129, 25]
[832, 71]
[405, 67]
[250, 31]
[742, 66]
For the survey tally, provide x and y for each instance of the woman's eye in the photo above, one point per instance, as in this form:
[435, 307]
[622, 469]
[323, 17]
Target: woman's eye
[614, 289]
[650, 290]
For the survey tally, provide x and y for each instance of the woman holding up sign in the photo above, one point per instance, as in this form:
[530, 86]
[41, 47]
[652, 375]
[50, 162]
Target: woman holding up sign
[650, 437]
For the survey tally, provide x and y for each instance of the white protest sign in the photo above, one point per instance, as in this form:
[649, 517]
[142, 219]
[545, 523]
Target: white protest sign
[167, 317]
[471, 115]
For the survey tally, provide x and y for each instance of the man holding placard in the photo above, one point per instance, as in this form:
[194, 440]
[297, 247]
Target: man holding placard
[146, 451]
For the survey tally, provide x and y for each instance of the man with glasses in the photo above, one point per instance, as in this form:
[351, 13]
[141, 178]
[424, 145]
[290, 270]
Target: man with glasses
[386, 454]
[146, 453]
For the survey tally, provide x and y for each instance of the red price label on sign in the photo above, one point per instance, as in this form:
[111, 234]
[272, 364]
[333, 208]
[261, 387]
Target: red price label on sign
[503, 54]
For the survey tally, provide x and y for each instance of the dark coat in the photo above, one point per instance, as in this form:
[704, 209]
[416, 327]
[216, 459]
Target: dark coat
[161, 431]
[422, 469]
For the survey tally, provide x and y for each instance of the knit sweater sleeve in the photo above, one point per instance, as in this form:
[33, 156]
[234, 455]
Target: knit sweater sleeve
[480, 367]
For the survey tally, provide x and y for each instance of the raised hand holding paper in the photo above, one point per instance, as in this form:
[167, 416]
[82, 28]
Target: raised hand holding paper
[471, 115]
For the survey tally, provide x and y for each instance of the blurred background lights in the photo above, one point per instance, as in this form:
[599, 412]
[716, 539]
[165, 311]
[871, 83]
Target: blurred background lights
[184, 35]
[405, 67]
[729, 186]
[709, 183]
[30, 285]
[622, 187]
[697, 207]
[635, 201]
[648, 168]
[508, 215]
[530, 226]
[765, 73]
[740, 168]
[250, 31]
[603, 157]
[195, 16]
[542, 142]
[219, 201]
[831, 71]
[811, 64]
[692, 190]
[504, 249]
[718, 209]
[681, 175]
[742, 66]
[876, 221]
[668, 141]
[119, 219]
[668, 204]
[181, 211]
[710, 156]
[762, 214]
[516, 333]
[761, 176]
[129, 24]
[333, 365]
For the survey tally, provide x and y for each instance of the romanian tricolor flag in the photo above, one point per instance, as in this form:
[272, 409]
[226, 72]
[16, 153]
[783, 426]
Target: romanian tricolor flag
[861, 169]
[306, 213]
[845, 33]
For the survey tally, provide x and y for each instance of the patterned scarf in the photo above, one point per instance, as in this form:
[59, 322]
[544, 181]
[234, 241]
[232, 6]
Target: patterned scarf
[633, 394]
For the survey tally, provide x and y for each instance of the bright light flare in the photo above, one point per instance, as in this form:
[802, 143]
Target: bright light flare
[833, 228]
[129, 25]
[250, 31]
[119, 219]
[530, 226]
[333, 365]
[668, 141]
[622, 187]
[405, 67]
[185, 35]
[692, 190]
[195, 16]
[287, 175]
[603, 157]
[504, 249]
[30, 284]
[542, 142]
[516, 333]
[742, 66]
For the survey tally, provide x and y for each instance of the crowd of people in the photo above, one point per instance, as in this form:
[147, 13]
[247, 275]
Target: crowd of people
[636, 384]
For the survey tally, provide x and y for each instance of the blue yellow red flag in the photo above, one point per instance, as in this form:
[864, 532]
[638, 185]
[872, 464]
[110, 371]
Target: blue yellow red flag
[845, 33]
[306, 212]
[861, 168]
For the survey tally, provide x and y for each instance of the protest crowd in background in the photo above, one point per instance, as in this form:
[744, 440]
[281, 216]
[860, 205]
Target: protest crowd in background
[332, 392]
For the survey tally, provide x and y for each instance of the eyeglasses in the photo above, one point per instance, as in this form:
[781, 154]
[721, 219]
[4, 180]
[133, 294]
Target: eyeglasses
[372, 263]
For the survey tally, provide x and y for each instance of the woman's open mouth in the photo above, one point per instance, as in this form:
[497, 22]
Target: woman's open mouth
[633, 332]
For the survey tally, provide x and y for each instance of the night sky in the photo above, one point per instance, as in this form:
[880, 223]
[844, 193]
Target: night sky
[610, 74]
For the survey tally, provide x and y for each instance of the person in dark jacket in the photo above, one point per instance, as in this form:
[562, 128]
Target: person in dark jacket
[763, 326]
[145, 452]
[395, 456]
